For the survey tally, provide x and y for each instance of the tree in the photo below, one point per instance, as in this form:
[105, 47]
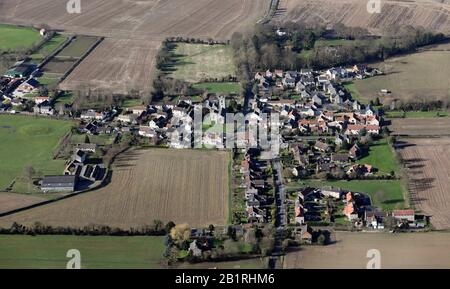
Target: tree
[158, 224]
[321, 240]
[30, 172]
[169, 226]
[180, 233]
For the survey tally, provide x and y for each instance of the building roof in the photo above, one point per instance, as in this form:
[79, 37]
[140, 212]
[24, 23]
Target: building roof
[58, 181]
[403, 212]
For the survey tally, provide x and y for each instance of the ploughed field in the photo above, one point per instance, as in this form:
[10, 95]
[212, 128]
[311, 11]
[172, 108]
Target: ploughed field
[417, 127]
[184, 186]
[402, 251]
[119, 63]
[427, 163]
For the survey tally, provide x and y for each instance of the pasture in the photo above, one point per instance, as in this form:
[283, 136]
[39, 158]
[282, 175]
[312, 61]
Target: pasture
[196, 62]
[398, 251]
[171, 185]
[427, 163]
[99, 252]
[382, 157]
[29, 141]
[422, 75]
[17, 38]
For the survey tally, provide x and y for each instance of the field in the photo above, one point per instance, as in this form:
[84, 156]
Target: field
[12, 201]
[134, 30]
[49, 46]
[219, 87]
[195, 62]
[29, 141]
[116, 65]
[381, 156]
[49, 252]
[386, 194]
[427, 163]
[421, 126]
[178, 185]
[256, 263]
[416, 114]
[430, 14]
[398, 251]
[421, 75]
[17, 38]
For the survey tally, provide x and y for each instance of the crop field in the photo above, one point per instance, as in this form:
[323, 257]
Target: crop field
[427, 163]
[398, 251]
[16, 38]
[421, 126]
[171, 185]
[117, 65]
[99, 252]
[430, 14]
[195, 62]
[29, 141]
[11, 201]
[422, 75]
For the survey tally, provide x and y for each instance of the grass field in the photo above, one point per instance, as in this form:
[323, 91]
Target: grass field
[16, 38]
[386, 194]
[29, 141]
[199, 61]
[350, 86]
[406, 251]
[381, 156]
[78, 47]
[421, 75]
[105, 252]
[184, 186]
[50, 46]
[219, 87]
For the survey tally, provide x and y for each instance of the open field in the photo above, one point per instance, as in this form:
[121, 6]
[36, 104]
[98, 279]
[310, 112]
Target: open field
[422, 75]
[386, 194]
[11, 201]
[416, 114]
[427, 163]
[402, 251]
[171, 185]
[219, 87]
[78, 47]
[116, 65]
[134, 25]
[421, 126]
[195, 62]
[430, 14]
[105, 252]
[29, 141]
[381, 156]
[16, 38]
[49, 46]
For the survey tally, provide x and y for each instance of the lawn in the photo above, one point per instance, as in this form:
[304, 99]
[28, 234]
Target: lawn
[16, 38]
[381, 156]
[29, 141]
[219, 87]
[99, 252]
[386, 194]
[195, 62]
[350, 86]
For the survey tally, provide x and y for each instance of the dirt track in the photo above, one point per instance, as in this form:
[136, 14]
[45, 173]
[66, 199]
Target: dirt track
[170, 185]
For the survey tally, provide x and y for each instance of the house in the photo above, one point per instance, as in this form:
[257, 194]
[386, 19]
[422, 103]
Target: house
[321, 146]
[339, 158]
[137, 110]
[79, 156]
[92, 114]
[29, 86]
[43, 109]
[355, 152]
[331, 192]
[147, 131]
[87, 147]
[374, 219]
[127, 118]
[401, 215]
[58, 183]
[41, 99]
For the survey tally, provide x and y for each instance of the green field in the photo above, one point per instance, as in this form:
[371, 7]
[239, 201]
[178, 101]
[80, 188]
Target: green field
[381, 156]
[350, 86]
[48, 48]
[78, 47]
[29, 141]
[416, 114]
[219, 87]
[386, 194]
[100, 252]
[195, 62]
[16, 38]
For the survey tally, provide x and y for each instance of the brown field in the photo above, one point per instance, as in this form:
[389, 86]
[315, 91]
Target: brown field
[146, 23]
[406, 251]
[427, 163]
[184, 186]
[421, 126]
[116, 65]
[431, 14]
[10, 201]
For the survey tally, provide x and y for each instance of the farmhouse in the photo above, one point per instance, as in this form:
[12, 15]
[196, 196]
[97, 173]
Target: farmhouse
[58, 184]
[407, 215]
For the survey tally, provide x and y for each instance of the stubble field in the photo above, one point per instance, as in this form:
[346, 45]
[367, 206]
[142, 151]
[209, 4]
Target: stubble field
[421, 126]
[427, 163]
[183, 186]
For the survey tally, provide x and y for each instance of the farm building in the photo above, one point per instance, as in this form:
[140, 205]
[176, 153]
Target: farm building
[58, 183]
[20, 71]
